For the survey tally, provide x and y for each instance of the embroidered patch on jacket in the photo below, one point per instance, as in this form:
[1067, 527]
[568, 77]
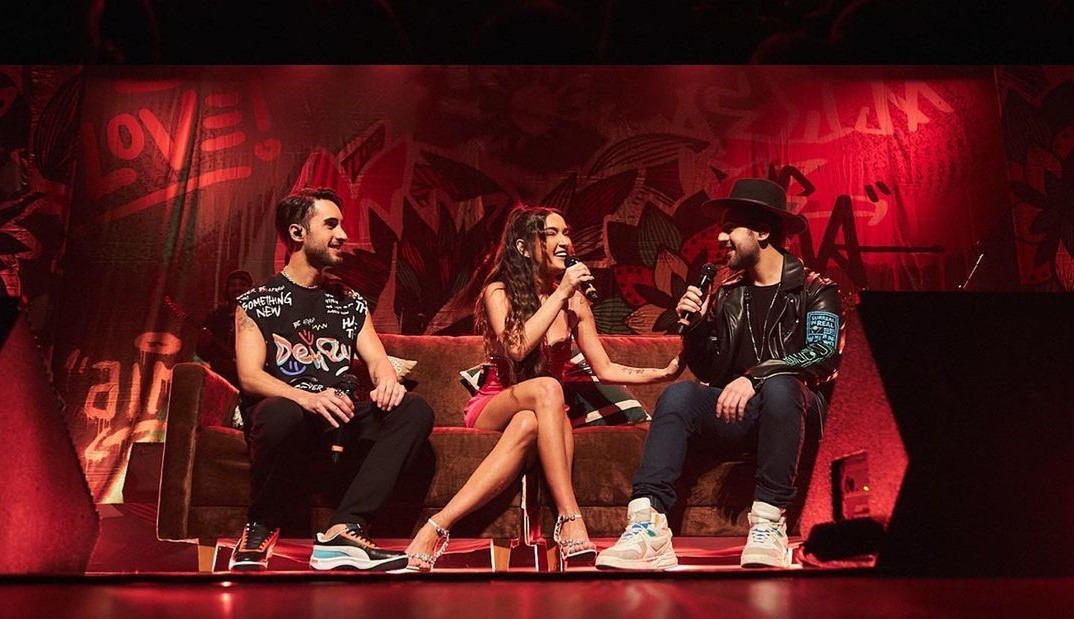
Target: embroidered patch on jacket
[822, 328]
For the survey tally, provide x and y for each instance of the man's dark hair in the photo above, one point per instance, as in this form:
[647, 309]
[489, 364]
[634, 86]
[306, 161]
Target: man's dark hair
[295, 209]
[776, 236]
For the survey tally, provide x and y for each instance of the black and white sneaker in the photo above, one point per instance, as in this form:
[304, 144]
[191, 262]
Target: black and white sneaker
[254, 547]
[352, 549]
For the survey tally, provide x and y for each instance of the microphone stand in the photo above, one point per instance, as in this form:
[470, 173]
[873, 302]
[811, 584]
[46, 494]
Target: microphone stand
[976, 263]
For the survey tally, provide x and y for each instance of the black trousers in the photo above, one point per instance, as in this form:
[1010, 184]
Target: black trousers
[282, 438]
[773, 426]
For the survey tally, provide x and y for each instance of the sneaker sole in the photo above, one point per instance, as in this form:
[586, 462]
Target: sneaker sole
[655, 564]
[334, 558]
[247, 566]
[760, 559]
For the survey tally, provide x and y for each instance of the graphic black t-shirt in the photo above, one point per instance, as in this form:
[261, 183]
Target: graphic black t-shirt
[309, 333]
[759, 301]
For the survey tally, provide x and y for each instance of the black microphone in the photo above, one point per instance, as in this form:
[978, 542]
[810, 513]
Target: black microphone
[348, 384]
[708, 273]
[587, 288]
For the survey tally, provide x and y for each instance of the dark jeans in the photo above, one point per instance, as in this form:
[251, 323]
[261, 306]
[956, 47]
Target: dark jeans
[773, 427]
[282, 437]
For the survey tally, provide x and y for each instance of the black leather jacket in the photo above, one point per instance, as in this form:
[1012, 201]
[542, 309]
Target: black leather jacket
[804, 339]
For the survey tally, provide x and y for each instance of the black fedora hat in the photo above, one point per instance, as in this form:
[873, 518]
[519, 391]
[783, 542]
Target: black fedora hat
[763, 196]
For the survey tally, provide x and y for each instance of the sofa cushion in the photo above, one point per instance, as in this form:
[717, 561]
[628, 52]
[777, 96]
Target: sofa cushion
[436, 371]
[458, 453]
[604, 463]
[221, 475]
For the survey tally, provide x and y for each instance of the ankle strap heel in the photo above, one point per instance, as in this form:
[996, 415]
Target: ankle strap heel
[438, 549]
[569, 548]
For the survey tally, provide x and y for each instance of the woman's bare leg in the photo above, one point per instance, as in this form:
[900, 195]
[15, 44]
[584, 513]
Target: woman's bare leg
[568, 442]
[503, 465]
[555, 442]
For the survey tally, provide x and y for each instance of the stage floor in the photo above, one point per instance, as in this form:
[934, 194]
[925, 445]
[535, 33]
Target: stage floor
[128, 544]
[134, 575]
[805, 594]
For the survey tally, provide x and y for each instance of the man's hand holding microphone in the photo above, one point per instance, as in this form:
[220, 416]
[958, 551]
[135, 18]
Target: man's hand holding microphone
[695, 302]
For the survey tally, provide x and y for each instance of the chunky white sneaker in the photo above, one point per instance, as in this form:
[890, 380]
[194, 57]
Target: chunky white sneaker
[644, 545]
[766, 545]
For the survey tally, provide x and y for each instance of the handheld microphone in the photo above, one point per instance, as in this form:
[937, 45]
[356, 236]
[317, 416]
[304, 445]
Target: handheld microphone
[587, 288]
[708, 273]
[348, 384]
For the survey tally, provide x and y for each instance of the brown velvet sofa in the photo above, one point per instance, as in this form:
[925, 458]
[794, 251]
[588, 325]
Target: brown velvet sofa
[205, 479]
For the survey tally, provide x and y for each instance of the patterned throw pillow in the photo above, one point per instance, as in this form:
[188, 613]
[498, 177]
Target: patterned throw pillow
[471, 378]
[402, 368]
[590, 402]
[593, 403]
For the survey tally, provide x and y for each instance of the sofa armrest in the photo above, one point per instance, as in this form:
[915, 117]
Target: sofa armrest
[199, 398]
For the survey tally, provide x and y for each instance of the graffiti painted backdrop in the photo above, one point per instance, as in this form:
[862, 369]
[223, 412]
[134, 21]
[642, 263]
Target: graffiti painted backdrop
[1038, 127]
[900, 173]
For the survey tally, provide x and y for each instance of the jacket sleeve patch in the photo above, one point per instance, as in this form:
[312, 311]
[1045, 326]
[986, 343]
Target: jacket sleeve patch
[822, 328]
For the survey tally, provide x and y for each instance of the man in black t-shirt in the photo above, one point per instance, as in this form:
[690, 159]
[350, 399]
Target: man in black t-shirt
[296, 338]
[764, 350]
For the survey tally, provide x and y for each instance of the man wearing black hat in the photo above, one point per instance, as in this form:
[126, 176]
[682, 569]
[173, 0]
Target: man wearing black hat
[765, 348]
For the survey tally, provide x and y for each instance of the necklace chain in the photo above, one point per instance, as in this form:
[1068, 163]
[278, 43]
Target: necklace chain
[764, 327]
[288, 277]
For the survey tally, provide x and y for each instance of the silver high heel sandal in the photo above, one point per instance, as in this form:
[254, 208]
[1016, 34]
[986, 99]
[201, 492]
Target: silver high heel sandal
[570, 549]
[438, 549]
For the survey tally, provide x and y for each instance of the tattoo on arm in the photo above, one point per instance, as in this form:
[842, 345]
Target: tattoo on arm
[246, 323]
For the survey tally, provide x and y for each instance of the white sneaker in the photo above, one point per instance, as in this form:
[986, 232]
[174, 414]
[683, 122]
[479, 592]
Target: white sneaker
[644, 545]
[766, 545]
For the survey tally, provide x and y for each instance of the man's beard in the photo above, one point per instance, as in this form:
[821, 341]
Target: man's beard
[735, 262]
[740, 260]
[324, 257]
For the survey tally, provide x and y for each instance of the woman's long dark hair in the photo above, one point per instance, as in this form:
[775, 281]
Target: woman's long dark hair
[519, 276]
